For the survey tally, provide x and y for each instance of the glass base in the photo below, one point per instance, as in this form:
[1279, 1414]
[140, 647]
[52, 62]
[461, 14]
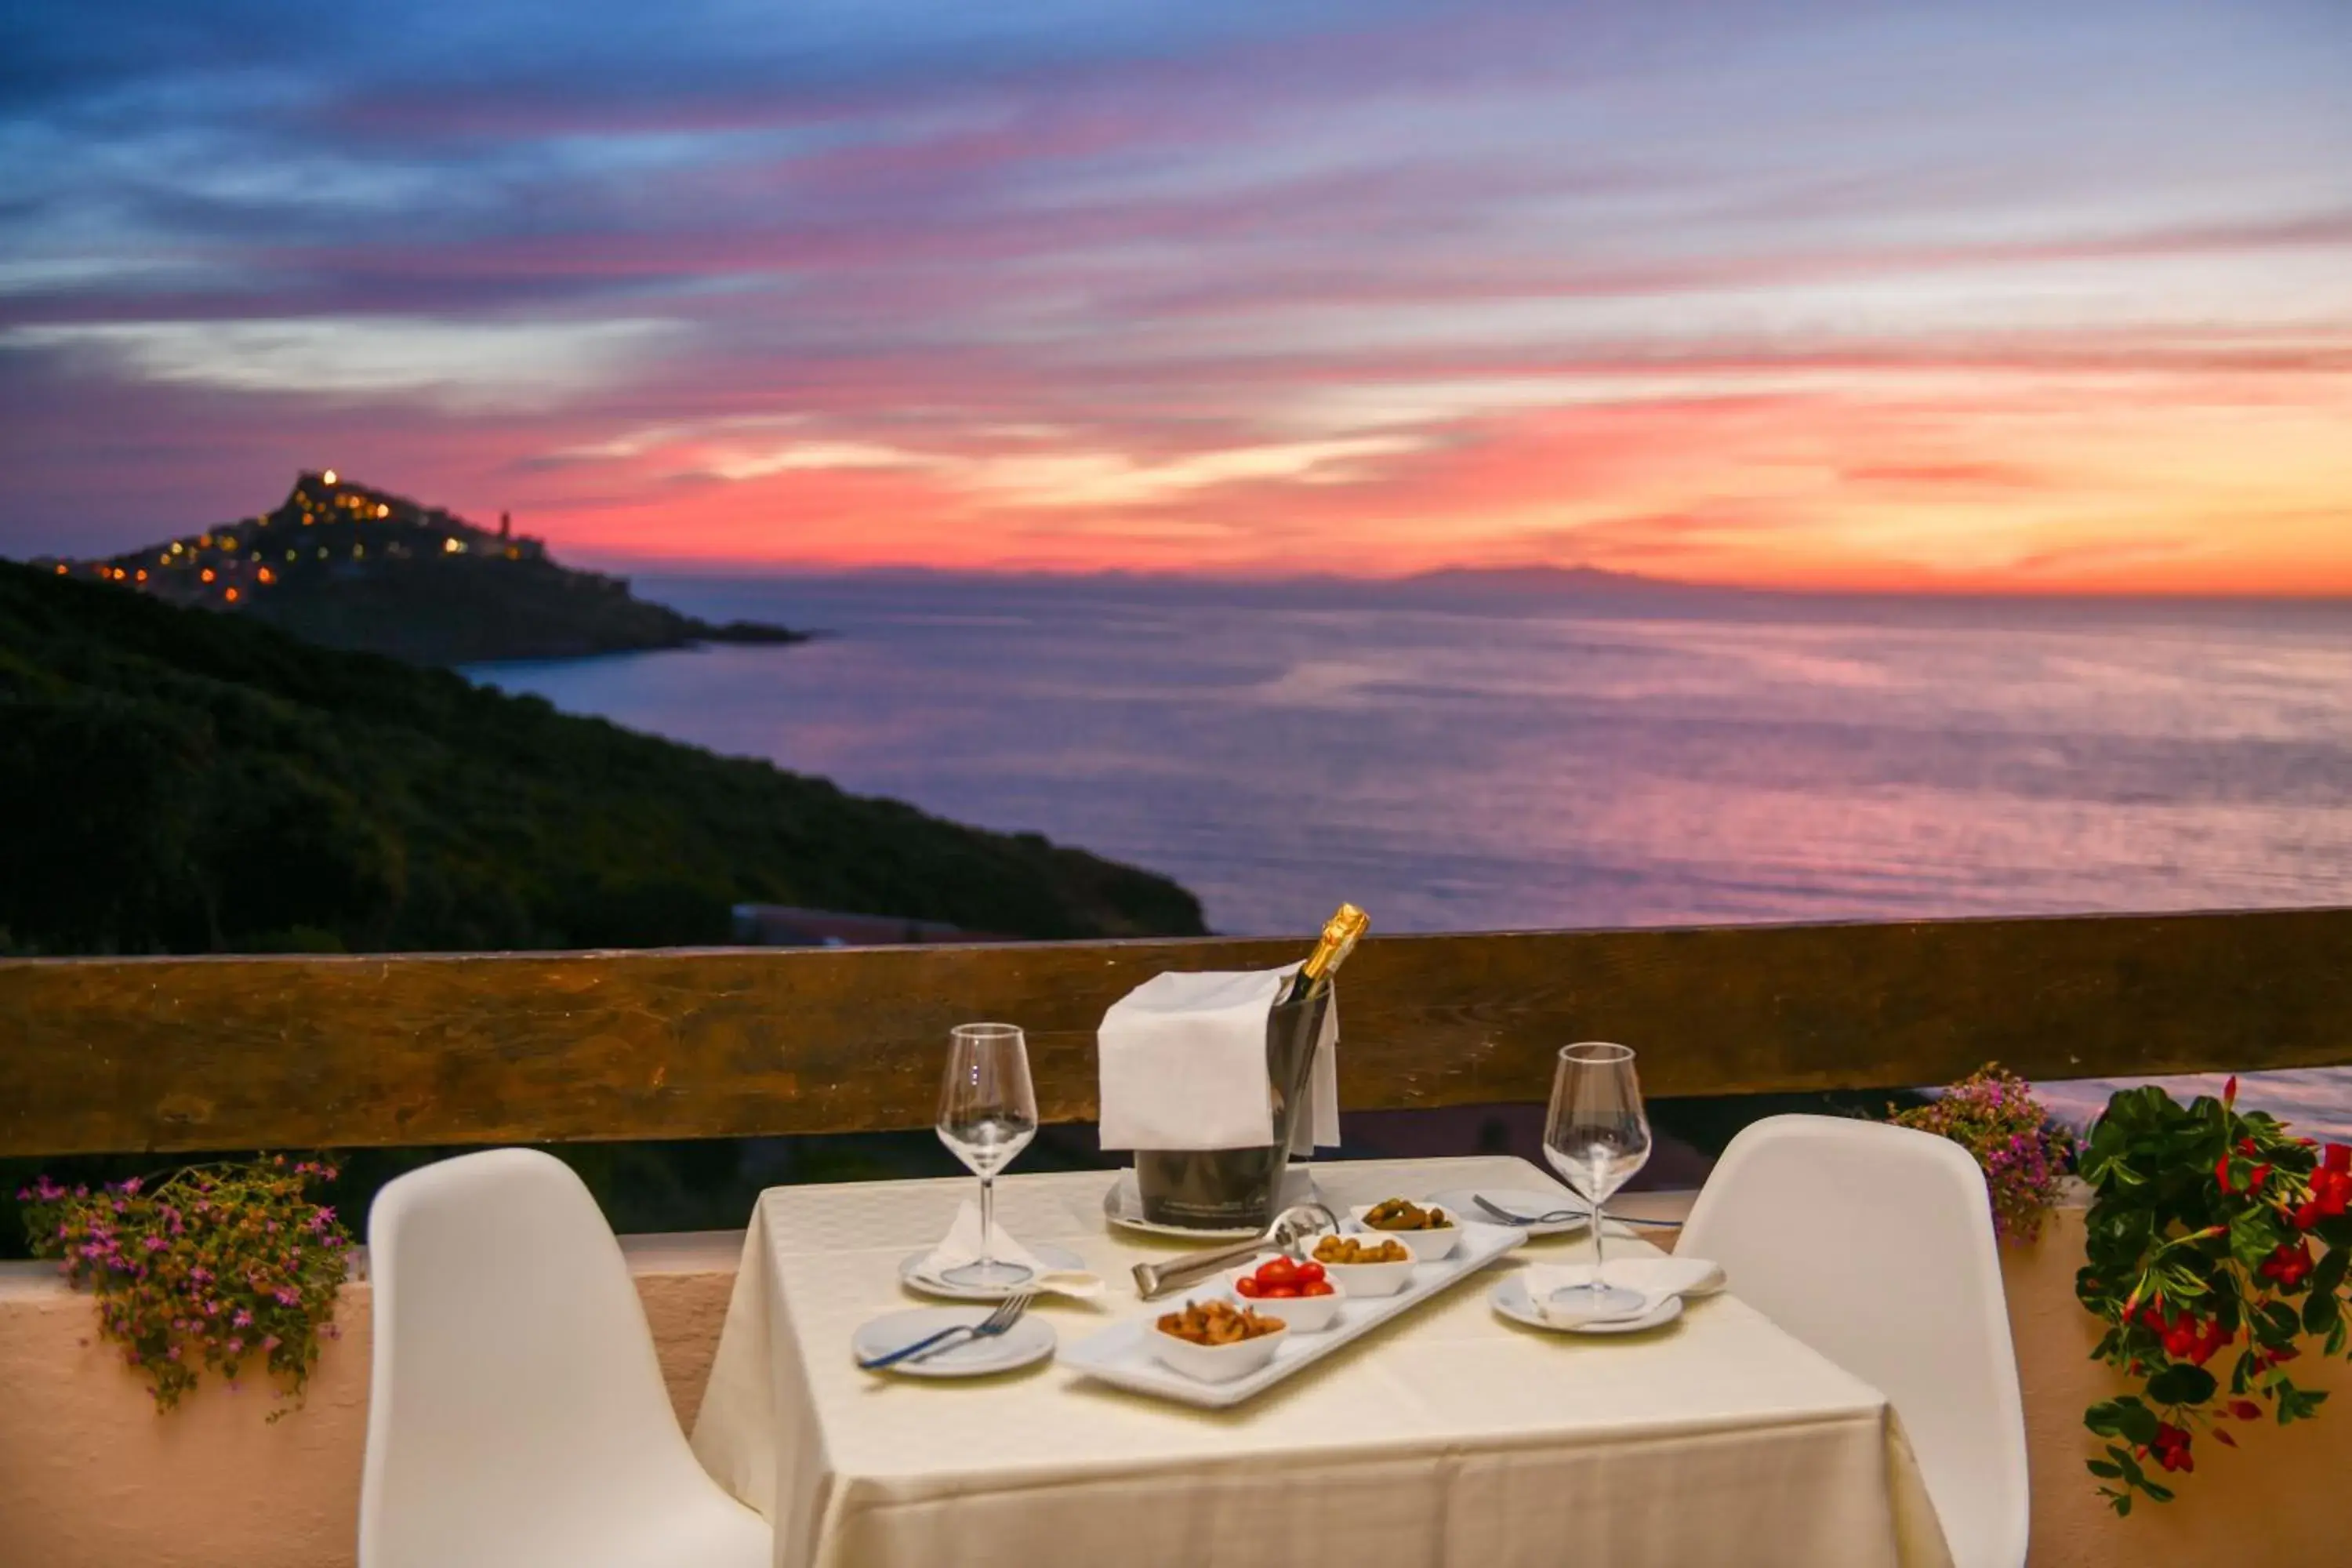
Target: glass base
[1590, 1304]
[988, 1276]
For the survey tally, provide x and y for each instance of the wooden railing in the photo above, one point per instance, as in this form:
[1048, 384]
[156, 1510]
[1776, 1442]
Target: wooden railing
[174, 1054]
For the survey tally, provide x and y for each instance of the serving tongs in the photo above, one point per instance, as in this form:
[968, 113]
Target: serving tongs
[1291, 1230]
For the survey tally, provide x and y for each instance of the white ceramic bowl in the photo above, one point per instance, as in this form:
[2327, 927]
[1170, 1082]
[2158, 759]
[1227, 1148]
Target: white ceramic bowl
[1307, 1314]
[1427, 1246]
[1215, 1363]
[1364, 1279]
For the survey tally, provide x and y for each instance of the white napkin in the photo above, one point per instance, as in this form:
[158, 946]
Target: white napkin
[961, 1246]
[1655, 1278]
[1182, 1061]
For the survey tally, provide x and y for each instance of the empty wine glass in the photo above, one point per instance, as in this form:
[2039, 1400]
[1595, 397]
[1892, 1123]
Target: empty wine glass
[1596, 1137]
[988, 1113]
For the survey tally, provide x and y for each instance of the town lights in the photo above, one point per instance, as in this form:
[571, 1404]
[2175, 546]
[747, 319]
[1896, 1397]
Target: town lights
[329, 475]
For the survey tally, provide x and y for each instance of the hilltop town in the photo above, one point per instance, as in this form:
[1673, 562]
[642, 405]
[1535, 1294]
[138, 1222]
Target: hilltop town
[352, 567]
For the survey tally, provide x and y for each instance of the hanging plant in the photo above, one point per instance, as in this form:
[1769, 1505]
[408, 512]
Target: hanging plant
[2025, 1155]
[230, 1266]
[2200, 1261]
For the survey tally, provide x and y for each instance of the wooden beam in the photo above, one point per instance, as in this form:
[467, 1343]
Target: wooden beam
[177, 1054]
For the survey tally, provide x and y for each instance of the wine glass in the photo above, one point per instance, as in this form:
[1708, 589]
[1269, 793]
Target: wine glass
[988, 1113]
[1596, 1137]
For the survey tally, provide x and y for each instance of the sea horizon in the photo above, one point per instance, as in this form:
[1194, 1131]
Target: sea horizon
[1624, 762]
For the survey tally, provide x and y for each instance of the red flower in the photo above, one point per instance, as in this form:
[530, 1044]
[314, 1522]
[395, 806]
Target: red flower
[2245, 1410]
[2338, 1157]
[2287, 1264]
[2332, 1190]
[2172, 1448]
[2221, 1172]
[2230, 1091]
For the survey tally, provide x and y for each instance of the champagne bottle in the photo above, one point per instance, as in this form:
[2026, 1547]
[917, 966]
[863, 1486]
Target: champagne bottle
[1331, 950]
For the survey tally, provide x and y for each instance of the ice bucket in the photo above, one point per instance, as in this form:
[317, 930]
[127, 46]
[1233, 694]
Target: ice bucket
[1233, 1189]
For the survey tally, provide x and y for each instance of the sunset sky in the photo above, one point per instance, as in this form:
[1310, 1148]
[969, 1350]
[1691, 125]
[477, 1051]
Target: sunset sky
[1833, 292]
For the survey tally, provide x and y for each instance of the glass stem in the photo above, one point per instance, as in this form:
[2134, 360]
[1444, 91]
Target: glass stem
[1600, 1223]
[988, 1220]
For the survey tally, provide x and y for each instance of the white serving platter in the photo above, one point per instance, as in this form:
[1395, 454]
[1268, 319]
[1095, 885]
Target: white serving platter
[1122, 1356]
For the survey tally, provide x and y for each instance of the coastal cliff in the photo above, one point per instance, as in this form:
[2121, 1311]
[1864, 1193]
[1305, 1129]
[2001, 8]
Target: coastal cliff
[185, 782]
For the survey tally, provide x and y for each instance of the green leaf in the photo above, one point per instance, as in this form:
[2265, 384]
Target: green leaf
[2156, 1489]
[2182, 1383]
[2105, 1419]
[2136, 1421]
[2105, 1470]
[2255, 1234]
[2320, 1313]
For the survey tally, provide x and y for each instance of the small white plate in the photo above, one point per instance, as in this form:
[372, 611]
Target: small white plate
[1030, 1339]
[910, 1275]
[1462, 1202]
[1509, 1297]
[1123, 1207]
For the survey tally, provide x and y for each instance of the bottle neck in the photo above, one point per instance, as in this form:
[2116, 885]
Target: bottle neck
[1331, 950]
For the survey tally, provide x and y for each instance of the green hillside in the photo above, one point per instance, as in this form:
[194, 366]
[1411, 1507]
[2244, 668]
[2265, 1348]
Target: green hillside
[185, 782]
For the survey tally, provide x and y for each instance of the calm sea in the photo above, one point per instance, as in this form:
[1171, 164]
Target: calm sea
[1482, 763]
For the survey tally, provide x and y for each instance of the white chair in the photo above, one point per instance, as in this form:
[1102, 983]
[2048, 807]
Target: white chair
[517, 1415]
[1873, 1245]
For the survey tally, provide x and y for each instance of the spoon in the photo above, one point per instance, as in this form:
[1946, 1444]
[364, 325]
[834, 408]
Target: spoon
[1291, 1228]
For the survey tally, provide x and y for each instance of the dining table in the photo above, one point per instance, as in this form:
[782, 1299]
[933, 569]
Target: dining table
[1449, 1435]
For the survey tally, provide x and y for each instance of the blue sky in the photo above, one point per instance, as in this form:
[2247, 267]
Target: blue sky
[1988, 295]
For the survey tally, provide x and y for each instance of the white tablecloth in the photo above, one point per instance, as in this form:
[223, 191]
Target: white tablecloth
[1450, 1436]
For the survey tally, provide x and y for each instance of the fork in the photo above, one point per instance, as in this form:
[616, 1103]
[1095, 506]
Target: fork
[1561, 1216]
[1008, 1312]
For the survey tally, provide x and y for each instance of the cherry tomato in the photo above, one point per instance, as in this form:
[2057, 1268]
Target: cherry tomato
[1246, 1286]
[1282, 1292]
[1314, 1288]
[1277, 1271]
[1309, 1272]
